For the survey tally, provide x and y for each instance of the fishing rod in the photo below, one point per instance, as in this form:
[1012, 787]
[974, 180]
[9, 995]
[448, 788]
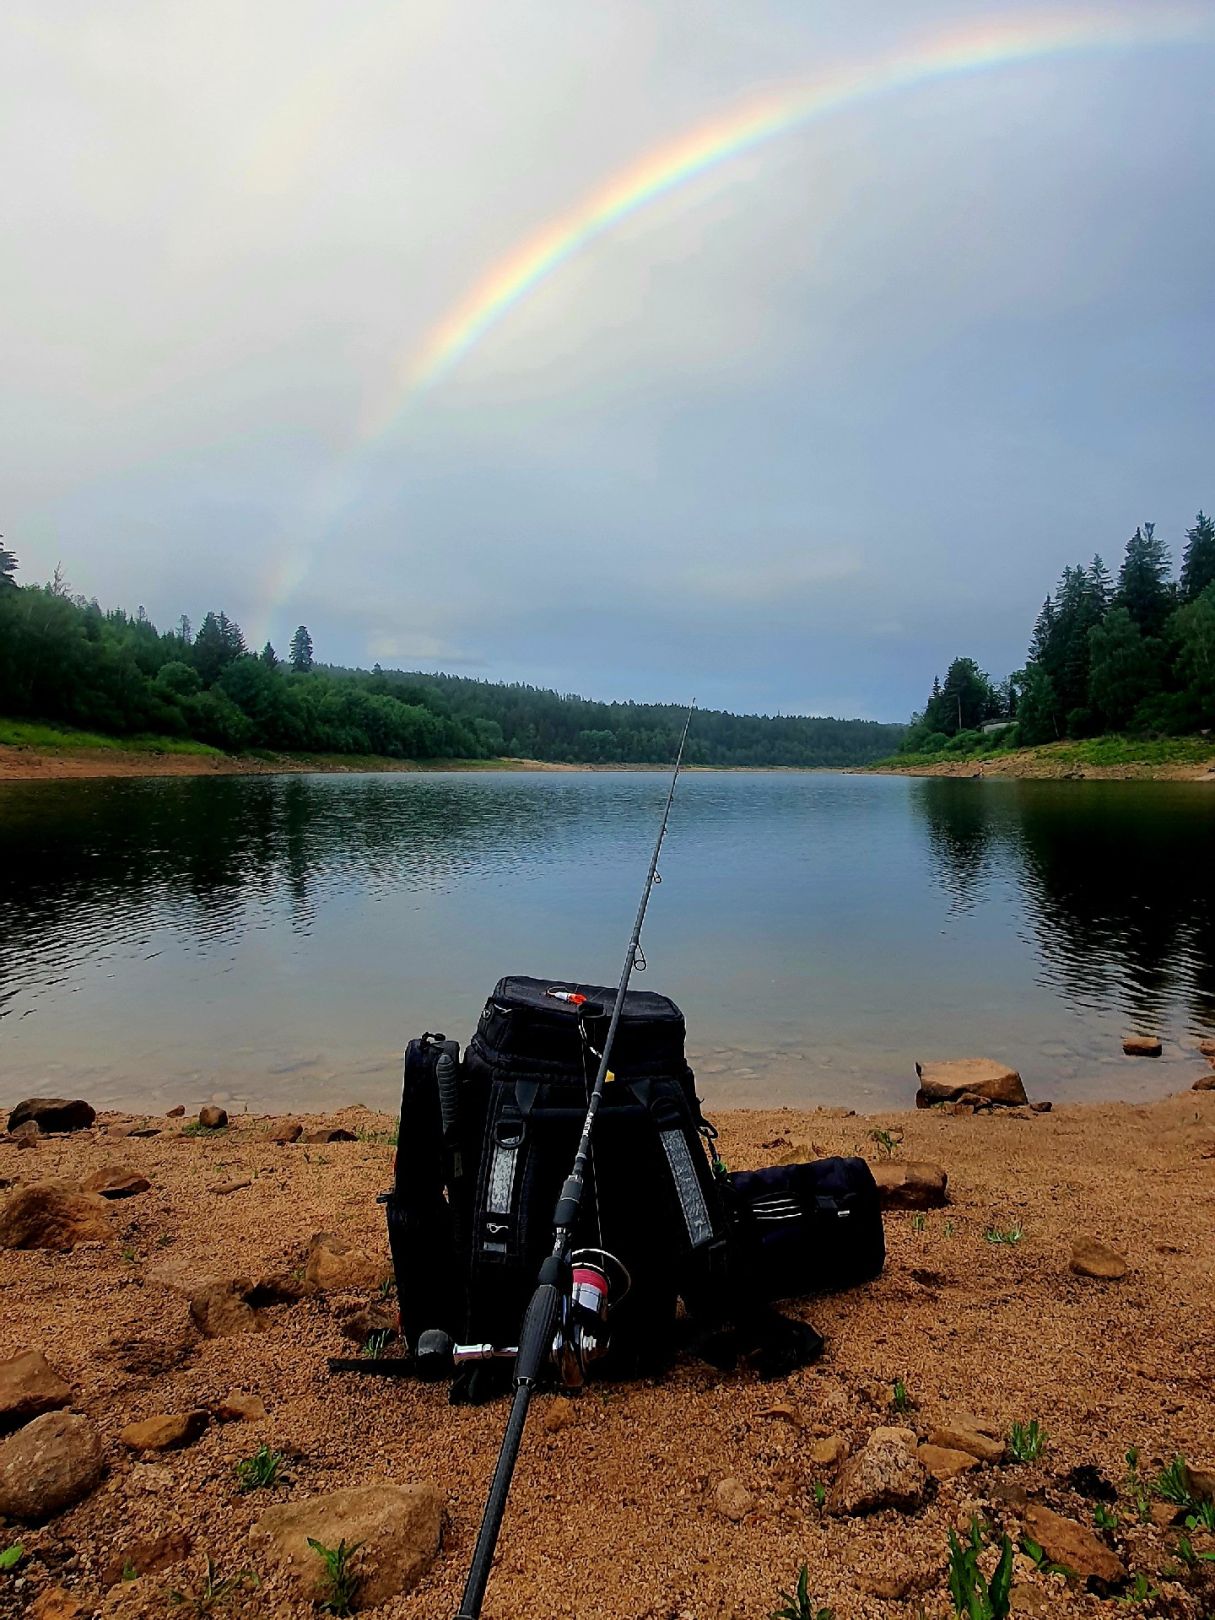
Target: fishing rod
[543, 1315]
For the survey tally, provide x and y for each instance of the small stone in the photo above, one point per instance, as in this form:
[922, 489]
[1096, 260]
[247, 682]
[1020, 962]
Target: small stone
[334, 1263]
[398, 1528]
[910, 1184]
[241, 1408]
[782, 1410]
[828, 1452]
[560, 1414]
[885, 1473]
[942, 1462]
[166, 1432]
[149, 1555]
[1076, 1548]
[1142, 1045]
[1040, 1107]
[53, 1114]
[1012, 1495]
[115, 1181]
[49, 1464]
[337, 1133]
[1093, 1259]
[1164, 1514]
[176, 1113]
[26, 1135]
[52, 1215]
[224, 1187]
[1027, 1599]
[963, 1432]
[212, 1118]
[734, 1500]
[29, 1386]
[1205, 1082]
[1200, 1482]
[221, 1310]
[1207, 1048]
[368, 1320]
[287, 1130]
[981, 1078]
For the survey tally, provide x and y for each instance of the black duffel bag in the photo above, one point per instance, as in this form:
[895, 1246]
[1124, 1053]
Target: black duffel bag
[806, 1228]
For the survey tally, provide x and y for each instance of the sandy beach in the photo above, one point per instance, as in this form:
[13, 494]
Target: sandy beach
[696, 1496]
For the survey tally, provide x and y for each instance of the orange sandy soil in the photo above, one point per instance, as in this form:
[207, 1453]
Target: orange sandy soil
[1039, 764]
[31, 765]
[615, 1517]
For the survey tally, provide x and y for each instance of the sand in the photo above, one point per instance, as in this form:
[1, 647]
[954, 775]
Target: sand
[618, 1514]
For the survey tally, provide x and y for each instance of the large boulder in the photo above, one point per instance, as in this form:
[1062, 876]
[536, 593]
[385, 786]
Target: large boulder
[29, 1386]
[52, 1215]
[49, 1464]
[115, 1181]
[398, 1529]
[1075, 1547]
[910, 1184]
[975, 1077]
[885, 1473]
[53, 1114]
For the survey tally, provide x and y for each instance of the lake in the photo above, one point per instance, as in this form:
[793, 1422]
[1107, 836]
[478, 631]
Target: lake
[274, 941]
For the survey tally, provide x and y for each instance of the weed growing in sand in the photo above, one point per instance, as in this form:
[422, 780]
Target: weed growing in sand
[1203, 1516]
[387, 1288]
[128, 1254]
[900, 1399]
[974, 1596]
[259, 1472]
[886, 1143]
[1037, 1553]
[1173, 1483]
[1185, 1550]
[129, 1572]
[1026, 1441]
[799, 1605]
[337, 1583]
[1104, 1518]
[948, 1228]
[999, 1234]
[380, 1138]
[197, 1128]
[1140, 1590]
[214, 1590]
[12, 1556]
[1138, 1491]
[820, 1493]
[919, 1224]
[376, 1344]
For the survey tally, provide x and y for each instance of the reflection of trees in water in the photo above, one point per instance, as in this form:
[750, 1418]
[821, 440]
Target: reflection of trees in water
[1116, 881]
[91, 866]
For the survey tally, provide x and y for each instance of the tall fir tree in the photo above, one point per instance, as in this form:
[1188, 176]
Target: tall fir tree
[301, 650]
[269, 657]
[1198, 559]
[1144, 588]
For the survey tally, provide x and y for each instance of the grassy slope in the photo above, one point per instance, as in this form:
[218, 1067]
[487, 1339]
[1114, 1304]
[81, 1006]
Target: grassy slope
[49, 739]
[1099, 752]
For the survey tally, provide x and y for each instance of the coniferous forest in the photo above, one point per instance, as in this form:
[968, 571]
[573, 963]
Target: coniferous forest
[70, 662]
[1133, 654]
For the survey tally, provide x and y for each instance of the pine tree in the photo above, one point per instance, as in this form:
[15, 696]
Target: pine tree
[269, 657]
[1144, 589]
[1125, 668]
[1198, 560]
[217, 643]
[8, 568]
[185, 631]
[1102, 583]
[301, 650]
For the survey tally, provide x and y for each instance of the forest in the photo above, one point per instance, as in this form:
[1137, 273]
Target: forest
[1132, 654]
[68, 661]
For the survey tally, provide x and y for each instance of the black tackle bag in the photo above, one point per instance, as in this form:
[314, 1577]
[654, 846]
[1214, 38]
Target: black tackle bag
[807, 1228]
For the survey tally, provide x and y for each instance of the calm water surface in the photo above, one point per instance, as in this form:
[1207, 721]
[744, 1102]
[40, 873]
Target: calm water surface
[275, 940]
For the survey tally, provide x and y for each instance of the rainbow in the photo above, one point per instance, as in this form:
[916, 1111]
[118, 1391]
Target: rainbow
[976, 50]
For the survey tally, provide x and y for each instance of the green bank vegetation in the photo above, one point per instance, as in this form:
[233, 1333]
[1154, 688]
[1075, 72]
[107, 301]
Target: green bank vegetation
[117, 679]
[1120, 671]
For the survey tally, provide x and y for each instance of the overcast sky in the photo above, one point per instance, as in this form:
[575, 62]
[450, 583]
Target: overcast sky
[788, 437]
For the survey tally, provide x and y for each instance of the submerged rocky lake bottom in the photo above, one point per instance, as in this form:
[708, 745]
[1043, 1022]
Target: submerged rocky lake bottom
[273, 942]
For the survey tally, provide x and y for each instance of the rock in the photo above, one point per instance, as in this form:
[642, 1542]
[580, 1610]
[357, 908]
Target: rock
[212, 1118]
[370, 1319]
[29, 1386]
[942, 1462]
[287, 1130]
[980, 1077]
[734, 1500]
[1093, 1259]
[963, 1432]
[55, 1603]
[336, 1134]
[559, 1414]
[49, 1464]
[225, 1187]
[221, 1309]
[53, 1114]
[1012, 1495]
[1142, 1045]
[910, 1184]
[1164, 1514]
[334, 1263]
[1070, 1544]
[26, 1135]
[826, 1453]
[1200, 1482]
[149, 1555]
[176, 1113]
[1027, 1599]
[241, 1408]
[1040, 1107]
[782, 1410]
[52, 1215]
[1205, 1082]
[115, 1181]
[885, 1473]
[398, 1528]
[1207, 1048]
[165, 1432]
